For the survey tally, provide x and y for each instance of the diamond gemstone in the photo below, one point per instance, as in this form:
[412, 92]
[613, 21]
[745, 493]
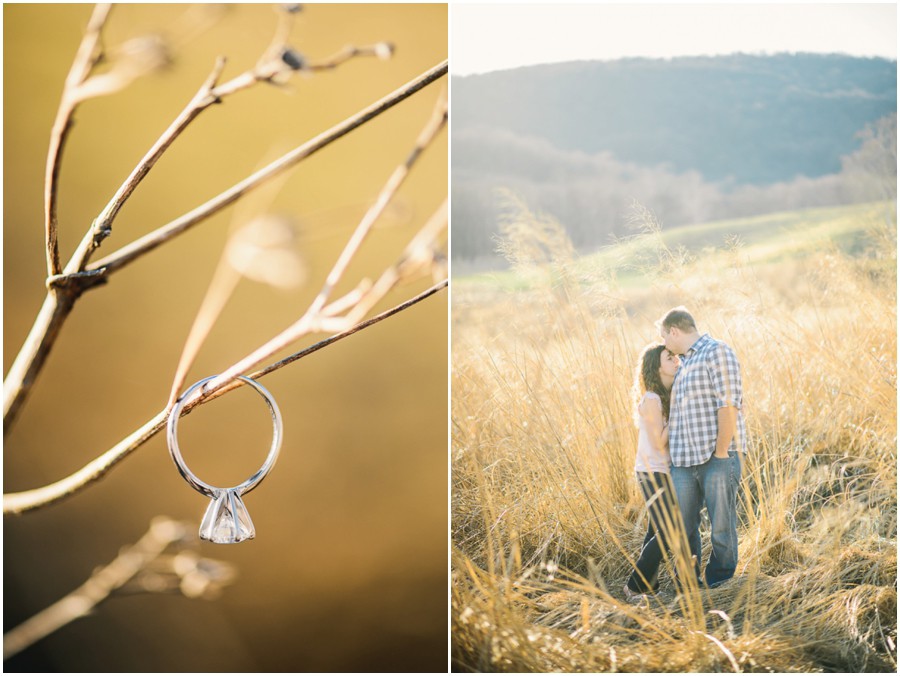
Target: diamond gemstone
[226, 520]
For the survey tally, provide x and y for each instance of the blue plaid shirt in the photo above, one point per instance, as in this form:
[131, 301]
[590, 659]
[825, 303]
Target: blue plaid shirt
[708, 379]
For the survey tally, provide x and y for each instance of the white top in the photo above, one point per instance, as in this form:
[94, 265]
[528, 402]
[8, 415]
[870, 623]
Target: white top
[649, 458]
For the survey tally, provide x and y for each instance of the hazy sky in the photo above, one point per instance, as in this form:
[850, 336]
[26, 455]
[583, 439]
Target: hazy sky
[486, 37]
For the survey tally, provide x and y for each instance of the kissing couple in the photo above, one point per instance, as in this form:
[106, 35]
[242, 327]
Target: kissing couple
[690, 441]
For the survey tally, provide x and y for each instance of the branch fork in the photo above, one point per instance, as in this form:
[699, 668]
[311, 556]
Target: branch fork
[78, 281]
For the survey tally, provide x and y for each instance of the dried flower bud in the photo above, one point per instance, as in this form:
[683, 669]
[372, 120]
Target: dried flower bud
[147, 53]
[263, 250]
[201, 577]
[293, 59]
[384, 50]
[130, 61]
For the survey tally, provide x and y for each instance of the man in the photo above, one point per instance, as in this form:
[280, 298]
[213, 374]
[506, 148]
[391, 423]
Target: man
[706, 438]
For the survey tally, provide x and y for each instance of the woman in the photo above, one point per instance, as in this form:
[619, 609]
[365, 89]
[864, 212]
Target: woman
[653, 384]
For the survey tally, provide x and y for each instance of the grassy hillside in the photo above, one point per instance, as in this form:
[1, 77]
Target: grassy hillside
[760, 240]
[546, 516]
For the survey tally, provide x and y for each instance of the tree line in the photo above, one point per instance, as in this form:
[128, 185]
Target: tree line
[776, 137]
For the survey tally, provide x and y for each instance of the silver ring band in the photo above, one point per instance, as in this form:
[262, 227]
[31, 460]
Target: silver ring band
[253, 481]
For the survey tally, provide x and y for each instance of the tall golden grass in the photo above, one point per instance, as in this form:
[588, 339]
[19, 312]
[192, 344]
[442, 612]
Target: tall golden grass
[547, 518]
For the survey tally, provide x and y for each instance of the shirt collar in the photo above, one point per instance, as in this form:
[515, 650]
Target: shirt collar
[702, 340]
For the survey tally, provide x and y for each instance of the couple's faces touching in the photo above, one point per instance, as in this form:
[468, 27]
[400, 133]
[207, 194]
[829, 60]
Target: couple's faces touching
[674, 339]
[668, 365]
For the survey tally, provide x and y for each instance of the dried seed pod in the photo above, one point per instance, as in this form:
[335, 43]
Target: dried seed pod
[294, 59]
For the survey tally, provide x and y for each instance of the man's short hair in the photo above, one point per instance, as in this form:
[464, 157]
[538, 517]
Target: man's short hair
[678, 317]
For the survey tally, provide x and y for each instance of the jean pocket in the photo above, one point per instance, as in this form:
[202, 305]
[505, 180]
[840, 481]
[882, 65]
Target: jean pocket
[735, 467]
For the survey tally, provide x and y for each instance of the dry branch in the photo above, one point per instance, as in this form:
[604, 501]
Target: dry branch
[61, 297]
[16, 503]
[164, 533]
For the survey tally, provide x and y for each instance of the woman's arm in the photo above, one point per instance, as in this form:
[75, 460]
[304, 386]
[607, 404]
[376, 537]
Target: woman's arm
[657, 432]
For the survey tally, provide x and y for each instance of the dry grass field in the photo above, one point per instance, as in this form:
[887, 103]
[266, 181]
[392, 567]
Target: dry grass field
[547, 517]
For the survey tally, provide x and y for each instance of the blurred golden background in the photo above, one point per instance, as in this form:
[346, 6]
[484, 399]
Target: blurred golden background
[348, 571]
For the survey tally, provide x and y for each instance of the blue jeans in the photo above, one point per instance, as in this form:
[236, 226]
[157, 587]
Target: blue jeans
[716, 483]
[661, 512]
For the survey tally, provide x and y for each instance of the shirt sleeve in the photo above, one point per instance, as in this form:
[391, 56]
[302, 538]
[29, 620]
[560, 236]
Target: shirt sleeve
[725, 372]
[648, 397]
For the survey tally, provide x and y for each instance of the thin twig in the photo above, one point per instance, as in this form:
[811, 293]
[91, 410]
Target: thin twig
[349, 332]
[382, 50]
[119, 259]
[224, 281]
[16, 503]
[85, 60]
[435, 123]
[418, 253]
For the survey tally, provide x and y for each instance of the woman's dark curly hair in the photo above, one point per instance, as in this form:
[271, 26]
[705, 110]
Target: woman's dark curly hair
[647, 377]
